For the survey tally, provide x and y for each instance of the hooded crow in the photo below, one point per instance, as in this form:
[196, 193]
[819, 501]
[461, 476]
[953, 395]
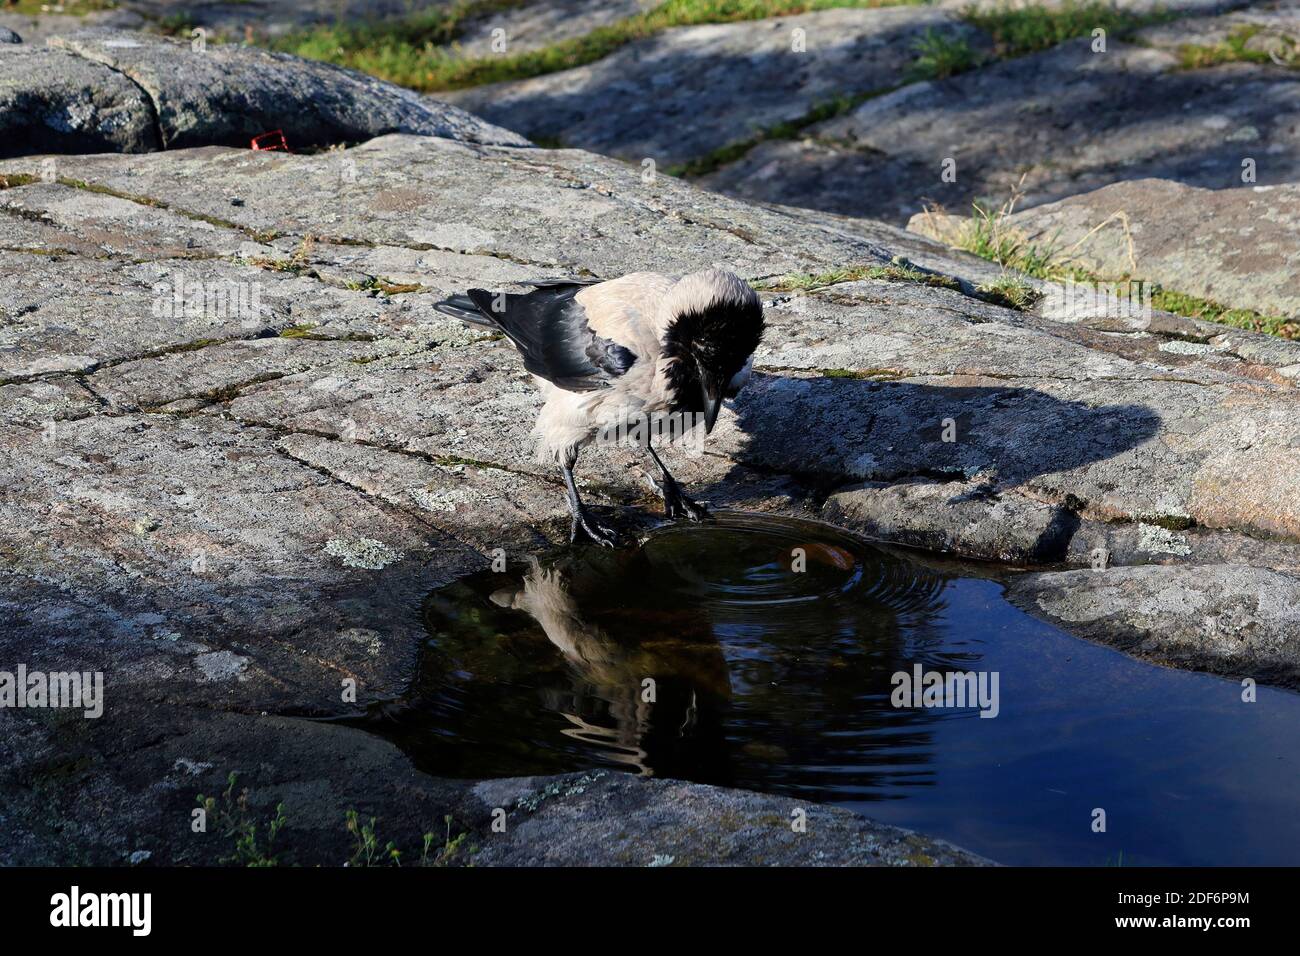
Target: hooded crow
[629, 350]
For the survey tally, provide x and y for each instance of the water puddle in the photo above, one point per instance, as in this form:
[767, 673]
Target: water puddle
[780, 680]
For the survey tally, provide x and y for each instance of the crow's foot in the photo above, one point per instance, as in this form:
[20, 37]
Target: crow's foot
[677, 506]
[585, 523]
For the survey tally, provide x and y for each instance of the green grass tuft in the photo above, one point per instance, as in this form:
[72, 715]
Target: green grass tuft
[1017, 30]
[1010, 291]
[989, 235]
[233, 817]
[12, 180]
[1194, 307]
[76, 8]
[175, 25]
[1235, 49]
[941, 55]
[897, 271]
[985, 236]
[868, 374]
[382, 286]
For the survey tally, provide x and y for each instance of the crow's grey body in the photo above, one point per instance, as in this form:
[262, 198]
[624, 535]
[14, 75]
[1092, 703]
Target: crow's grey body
[627, 312]
[605, 354]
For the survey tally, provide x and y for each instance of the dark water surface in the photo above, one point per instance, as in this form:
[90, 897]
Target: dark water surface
[779, 680]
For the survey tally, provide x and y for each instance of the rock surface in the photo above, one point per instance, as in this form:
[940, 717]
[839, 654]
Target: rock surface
[602, 819]
[1227, 618]
[54, 102]
[102, 90]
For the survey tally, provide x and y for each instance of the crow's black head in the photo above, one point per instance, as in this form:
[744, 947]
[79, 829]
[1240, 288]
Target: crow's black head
[715, 324]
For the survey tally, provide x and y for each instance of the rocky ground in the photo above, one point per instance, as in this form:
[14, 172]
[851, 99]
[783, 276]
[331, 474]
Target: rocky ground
[241, 445]
[677, 96]
[738, 104]
[1053, 124]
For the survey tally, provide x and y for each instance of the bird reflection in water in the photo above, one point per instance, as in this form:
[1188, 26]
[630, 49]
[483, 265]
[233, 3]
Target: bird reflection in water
[750, 651]
[656, 688]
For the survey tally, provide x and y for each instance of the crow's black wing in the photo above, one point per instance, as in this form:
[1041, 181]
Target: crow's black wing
[461, 306]
[550, 330]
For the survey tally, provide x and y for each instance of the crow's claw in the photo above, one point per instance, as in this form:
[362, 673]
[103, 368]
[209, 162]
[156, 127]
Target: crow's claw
[585, 522]
[677, 506]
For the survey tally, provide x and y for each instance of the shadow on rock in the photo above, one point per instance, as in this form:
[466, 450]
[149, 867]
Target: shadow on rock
[836, 431]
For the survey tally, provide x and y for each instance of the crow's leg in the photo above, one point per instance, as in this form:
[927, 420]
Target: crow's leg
[583, 519]
[676, 504]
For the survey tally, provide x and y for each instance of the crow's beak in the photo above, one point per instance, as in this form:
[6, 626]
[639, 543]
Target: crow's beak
[712, 405]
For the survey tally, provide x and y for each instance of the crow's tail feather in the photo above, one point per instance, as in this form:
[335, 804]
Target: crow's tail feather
[462, 307]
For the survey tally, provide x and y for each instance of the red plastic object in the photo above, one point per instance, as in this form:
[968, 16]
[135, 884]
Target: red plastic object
[272, 140]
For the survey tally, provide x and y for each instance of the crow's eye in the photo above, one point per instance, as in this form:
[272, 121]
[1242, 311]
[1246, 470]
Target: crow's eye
[739, 379]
